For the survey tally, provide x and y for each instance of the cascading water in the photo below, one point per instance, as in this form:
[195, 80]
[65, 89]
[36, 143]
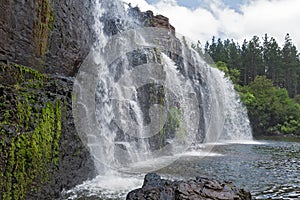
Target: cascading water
[143, 98]
[237, 124]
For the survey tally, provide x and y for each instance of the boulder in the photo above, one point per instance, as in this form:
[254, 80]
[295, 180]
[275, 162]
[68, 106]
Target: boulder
[199, 188]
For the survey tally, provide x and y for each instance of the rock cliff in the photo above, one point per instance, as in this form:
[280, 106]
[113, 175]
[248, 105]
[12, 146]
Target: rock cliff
[51, 36]
[41, 154]
[42, 44]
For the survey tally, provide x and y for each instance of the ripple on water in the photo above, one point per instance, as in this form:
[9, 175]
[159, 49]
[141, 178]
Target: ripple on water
[269, 171]
[279, 192]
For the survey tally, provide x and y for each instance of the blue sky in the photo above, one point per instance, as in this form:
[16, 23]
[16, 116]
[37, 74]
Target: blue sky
[233, 19]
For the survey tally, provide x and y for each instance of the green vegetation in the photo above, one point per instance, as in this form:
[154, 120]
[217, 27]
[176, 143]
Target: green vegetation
[43, 25]
[267, 79]
[256, 58]
[159, 95]
[270, 108]
[175, 123]
[30, 129]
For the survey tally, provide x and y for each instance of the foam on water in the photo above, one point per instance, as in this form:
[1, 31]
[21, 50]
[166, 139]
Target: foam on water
[242, 142]
[229, 142]
[199, 154]
[114, 186]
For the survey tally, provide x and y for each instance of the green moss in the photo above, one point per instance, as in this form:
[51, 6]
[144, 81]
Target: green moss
[29, 154]
[30, 130]
[21, 77]
[157, 58]
[175, 123]
[43, 26]
[174, 118]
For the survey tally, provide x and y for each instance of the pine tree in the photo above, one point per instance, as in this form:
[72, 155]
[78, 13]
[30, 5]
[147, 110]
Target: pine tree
[272, 60]
[290, 65]
[245, 64]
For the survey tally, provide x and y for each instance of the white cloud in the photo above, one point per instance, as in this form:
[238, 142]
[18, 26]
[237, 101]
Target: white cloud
[196, 24]
[275, 17]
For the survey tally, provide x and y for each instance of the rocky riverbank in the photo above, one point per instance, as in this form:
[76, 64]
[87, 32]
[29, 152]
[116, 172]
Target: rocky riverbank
[156, 188]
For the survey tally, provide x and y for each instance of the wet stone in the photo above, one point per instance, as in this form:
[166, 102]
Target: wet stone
[157, 188]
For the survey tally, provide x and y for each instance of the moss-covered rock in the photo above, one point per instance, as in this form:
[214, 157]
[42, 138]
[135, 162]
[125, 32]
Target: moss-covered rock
[35, 114]
[43, 25]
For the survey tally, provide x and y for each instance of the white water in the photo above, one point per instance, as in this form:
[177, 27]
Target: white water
[120, 142]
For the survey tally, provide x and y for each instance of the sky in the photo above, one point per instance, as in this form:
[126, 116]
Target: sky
[233, 19]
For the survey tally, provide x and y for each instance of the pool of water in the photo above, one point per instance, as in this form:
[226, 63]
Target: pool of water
[268, 169]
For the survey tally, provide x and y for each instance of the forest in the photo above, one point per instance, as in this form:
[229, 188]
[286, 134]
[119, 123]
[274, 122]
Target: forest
[267, 77]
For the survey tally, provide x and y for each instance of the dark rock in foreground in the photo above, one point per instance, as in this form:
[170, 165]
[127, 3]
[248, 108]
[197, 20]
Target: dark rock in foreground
[199, 188]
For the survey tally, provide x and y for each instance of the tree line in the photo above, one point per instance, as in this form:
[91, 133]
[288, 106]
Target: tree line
[260, 58]
[267, 77]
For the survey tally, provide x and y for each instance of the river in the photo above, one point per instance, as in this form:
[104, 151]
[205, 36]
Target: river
[268, 169]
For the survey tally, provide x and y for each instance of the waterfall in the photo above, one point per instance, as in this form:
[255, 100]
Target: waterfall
[143, 96]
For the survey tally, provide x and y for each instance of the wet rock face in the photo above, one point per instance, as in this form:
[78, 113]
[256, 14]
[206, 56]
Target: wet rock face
[75, 163]
[52, 36]
[40, 151]
[197, 189]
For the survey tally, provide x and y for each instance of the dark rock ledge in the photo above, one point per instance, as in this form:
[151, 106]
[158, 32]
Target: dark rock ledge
[156, 188]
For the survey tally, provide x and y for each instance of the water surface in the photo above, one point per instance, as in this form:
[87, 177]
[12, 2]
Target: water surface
[269, 169]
